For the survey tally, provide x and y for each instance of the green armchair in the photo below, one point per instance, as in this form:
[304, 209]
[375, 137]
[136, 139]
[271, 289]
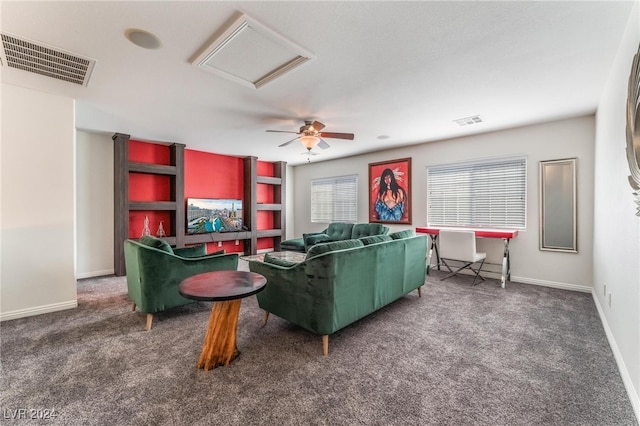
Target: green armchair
[154, 271]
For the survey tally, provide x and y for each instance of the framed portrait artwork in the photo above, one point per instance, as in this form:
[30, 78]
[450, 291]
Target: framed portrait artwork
[390, 191]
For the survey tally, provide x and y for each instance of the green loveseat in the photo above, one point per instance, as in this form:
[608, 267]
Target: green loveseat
[343, 281]
[154, 271]
[337, 231]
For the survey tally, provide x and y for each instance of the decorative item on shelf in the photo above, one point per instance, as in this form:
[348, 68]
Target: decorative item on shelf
[160, 232]
[145, 229]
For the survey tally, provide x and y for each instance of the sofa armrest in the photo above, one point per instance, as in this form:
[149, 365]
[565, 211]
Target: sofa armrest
[294, 244]
[286, 292]
[278, 261]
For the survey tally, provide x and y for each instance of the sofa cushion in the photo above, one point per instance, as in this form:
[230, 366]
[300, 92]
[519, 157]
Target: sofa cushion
[373, 239]
[402, 234]
[332, 246]
[157, 243]
[278, 261]
[339, 231]
[368, 229]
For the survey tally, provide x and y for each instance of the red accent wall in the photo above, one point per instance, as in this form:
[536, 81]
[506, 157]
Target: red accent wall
[145, 152]
[143, 187]
[208, 175]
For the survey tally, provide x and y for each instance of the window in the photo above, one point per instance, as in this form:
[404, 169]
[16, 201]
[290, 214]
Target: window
[334, 199]
[490, 193]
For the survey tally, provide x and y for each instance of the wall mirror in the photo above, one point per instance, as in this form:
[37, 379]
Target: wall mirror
[558, 211]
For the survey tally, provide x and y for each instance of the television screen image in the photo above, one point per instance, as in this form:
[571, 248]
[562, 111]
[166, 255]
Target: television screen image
[213, 215]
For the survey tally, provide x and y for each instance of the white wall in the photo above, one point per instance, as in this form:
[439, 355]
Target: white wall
[290, 204]
[38, 203]
[616, 228]
[555, 140]
[94, 198]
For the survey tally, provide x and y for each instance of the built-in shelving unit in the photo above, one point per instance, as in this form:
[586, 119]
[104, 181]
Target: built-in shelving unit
[122, 205]
[277, 184]
[175, 170]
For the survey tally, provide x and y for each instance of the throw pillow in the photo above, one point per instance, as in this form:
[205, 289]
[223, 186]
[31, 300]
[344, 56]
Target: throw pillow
[311, 240]
[402, 234]
[373, 239]
[156, 243]
[332, 246]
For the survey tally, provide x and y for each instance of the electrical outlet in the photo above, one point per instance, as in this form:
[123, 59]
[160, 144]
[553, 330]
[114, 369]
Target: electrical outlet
[604, 289]
[609, 299]
[219, 243]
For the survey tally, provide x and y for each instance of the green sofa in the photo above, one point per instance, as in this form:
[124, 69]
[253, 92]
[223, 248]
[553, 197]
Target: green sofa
[337, 231]
[154, 271]
[341, 282]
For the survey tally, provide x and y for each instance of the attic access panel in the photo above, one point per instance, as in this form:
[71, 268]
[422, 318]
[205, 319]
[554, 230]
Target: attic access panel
[251, 54]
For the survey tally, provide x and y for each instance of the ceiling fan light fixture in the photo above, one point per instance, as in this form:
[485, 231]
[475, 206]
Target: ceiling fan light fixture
[309, 141]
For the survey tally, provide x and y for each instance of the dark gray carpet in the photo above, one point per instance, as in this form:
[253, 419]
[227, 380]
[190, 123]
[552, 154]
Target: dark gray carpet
[459, 355]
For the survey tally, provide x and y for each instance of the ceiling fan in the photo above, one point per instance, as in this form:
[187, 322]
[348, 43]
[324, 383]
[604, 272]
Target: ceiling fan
[310, 135]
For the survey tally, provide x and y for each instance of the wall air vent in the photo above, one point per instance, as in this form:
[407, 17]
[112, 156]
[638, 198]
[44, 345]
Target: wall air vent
[45, 60]
[250, 54]
[474, 119]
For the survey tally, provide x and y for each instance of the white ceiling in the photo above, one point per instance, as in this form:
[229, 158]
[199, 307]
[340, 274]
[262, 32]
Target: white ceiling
[392, 73]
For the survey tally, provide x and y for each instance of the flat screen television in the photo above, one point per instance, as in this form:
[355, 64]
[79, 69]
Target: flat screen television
[213, 215]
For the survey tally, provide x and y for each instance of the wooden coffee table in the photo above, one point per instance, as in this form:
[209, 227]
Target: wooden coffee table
[226, 289]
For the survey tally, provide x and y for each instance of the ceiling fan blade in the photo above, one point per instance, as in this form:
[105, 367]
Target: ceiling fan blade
[323, 144]
[317, 126]
[281, 131]
[336, 135]
[287, 143]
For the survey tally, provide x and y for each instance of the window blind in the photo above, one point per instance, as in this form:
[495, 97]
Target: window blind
[488, 193]
[334, 199]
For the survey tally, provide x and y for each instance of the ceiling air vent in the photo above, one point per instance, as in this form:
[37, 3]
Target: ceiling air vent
[468, 120]
[44, 60]
[251, 54]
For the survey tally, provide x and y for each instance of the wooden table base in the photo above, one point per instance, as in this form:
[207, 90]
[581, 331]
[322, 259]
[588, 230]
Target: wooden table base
[219, 346]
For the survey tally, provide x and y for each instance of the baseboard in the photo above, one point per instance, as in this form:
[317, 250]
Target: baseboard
[82, 275]
[634, 397]
[533, 281]
[552, 284]
[38, 310]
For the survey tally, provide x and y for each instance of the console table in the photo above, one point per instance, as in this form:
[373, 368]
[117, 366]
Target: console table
[505, 234]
